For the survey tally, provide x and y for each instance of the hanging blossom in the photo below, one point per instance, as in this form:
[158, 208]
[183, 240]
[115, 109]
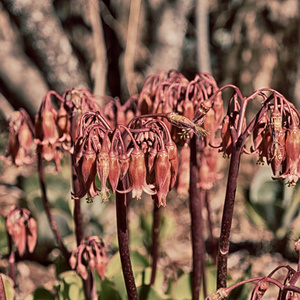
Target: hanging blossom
[53, 131]
[275, 131]
[191, 109]
[88, 256]
[143, 151]
[20, 139]
[22, 228]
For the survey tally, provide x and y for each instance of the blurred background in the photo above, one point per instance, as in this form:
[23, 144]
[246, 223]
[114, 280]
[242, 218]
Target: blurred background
[112, 46]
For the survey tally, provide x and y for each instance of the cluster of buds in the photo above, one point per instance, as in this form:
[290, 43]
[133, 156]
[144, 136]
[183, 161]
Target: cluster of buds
[143, 151]
[20, 140]
[22, 228]
[88, 256]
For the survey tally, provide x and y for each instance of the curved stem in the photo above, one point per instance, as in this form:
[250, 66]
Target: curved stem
[123, 239]
[155, 235]
[196, 222]
[46, 204]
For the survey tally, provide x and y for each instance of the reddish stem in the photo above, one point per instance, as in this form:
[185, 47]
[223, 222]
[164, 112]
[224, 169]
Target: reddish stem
[123, 239]
[196, 222]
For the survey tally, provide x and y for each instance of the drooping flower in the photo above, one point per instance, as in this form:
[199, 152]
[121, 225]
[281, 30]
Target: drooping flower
[22, 228]
[292, 146]
[103, 167]
[137, 174]
[162, 169]
[20, 139]
[88, 256]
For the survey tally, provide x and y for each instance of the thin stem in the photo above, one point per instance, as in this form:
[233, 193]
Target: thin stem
[46, 204]
[2, 290]
[123, 239]
[227, 216]
[196, 222]
[155, 235]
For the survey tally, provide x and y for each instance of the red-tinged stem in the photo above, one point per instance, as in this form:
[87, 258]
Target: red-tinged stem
[213, 241]
[2, 290]
[46, 204]
[155, 235]
[123, 239]
[196, 222]
[227, 216]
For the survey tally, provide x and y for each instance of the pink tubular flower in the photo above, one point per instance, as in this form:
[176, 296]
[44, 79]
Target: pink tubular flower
[292, 146]
[20, 139]
[162, 169]
[137, 174]
[21, 226]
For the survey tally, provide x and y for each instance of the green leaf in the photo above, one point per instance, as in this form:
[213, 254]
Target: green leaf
[182, 288]
[114, 267]
[8, 287]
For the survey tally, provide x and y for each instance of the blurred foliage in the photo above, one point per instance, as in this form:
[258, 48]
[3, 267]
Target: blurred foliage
[272, 203]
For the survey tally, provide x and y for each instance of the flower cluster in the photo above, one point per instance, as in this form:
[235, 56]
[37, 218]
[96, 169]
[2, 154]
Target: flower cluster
[170, 92]
[276, 138]
[275, 131]
[143, 151]
[53, 126]
[88, 256]
[20, 140]
[21, 226]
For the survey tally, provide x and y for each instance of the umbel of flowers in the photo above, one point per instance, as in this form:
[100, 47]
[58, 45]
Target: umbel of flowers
[143, 151]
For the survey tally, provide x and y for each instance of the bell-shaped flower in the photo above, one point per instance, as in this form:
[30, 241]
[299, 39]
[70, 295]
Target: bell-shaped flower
[278, 152]
[63, 124]
[137, 174]
[22, 227]
[45, 123]
[114, 169]
[20, 139]
[292, 146]
[162, 169]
